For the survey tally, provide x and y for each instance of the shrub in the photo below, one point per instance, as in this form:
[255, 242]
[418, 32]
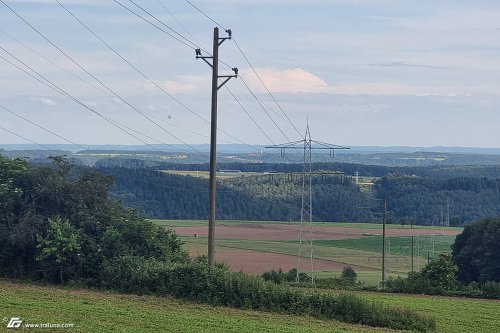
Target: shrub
[441, 272]
[491, 290]
[279, 276]
[414, 283]
[349, 275]
[218, 286]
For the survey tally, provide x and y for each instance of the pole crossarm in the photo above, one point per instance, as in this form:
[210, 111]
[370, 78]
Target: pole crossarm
[300, 145]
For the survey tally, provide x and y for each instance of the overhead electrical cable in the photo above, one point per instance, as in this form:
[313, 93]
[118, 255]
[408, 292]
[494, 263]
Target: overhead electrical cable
[178, 22]
[91, 84]
[41, 127]
[161, 22]
[93, 76]
[55, 64]
[24, 138]
[249, 115]
[249, 63]
[144, 75]
[194, 46]
[234, 96]
[52, 86]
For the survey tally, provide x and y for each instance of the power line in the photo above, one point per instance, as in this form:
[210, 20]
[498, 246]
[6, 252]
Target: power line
[249, 63]
[55, 64]
[82, 68]
[249, 115]
[166, 32]
[263, 108]
[24, 138]
[178, 21]
[265, 86]
[105, 86]
[204, 14]
[156, 26]
[52, 86]
[162, 23]
[91, 84]
[41, 127]
[235, 98]
[145, 76]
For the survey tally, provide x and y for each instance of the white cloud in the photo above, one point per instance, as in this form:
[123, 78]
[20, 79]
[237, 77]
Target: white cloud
[183, 84]
[45, 101]
[288, 80]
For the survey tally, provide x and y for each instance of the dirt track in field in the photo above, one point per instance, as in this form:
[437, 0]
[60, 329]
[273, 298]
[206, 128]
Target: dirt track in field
[291, 232]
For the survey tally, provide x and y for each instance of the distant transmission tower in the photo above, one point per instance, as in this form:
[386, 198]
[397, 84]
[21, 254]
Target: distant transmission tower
[306, 249]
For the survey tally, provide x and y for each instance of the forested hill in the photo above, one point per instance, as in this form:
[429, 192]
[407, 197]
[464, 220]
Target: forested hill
[422, 199]
[428, 200]
[267, 197]
[347, 168]
[160, 195]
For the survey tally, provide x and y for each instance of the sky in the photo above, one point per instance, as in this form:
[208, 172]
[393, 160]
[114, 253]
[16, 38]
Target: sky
[359, 72]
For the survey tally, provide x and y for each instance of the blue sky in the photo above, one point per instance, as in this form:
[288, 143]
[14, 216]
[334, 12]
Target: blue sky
[362, 72]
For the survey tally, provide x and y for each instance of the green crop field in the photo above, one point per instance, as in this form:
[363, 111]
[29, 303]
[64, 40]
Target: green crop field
[396, 245]
[92, 312]
[191, 223]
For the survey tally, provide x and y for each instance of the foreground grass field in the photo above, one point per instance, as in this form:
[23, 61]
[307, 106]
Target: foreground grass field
[92, 311]
[452, 314]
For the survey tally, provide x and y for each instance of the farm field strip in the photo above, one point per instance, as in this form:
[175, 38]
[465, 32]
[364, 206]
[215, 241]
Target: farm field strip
[396, 245]
[188, 223]
[105, 312]
[359, 259]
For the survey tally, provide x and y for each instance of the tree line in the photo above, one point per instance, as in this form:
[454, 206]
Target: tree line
[418, 199]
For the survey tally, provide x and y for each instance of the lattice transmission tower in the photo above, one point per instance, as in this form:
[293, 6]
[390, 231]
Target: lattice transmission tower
[306, 235]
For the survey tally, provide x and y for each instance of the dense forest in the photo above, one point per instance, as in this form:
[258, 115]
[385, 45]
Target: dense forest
[160, 195]
[426, 199]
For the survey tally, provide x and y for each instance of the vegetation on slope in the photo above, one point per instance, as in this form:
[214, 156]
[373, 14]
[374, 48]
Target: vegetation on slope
[424, 199]
[105, 312]
[58, 224]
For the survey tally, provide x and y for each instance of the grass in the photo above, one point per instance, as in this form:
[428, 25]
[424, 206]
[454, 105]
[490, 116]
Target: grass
[369, 278]
[398, 245]
[93, 311]
[453, 315]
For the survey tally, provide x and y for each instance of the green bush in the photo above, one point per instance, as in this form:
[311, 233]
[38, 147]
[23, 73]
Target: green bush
[218, 286]
[278, 276]
[349, 276]
[491, 290]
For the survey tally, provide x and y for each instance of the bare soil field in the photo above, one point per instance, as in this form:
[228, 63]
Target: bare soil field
[270, 231]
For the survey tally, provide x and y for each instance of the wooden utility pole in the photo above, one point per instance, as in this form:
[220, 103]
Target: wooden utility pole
[384, 217]
[412, 254]
[213, 134]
